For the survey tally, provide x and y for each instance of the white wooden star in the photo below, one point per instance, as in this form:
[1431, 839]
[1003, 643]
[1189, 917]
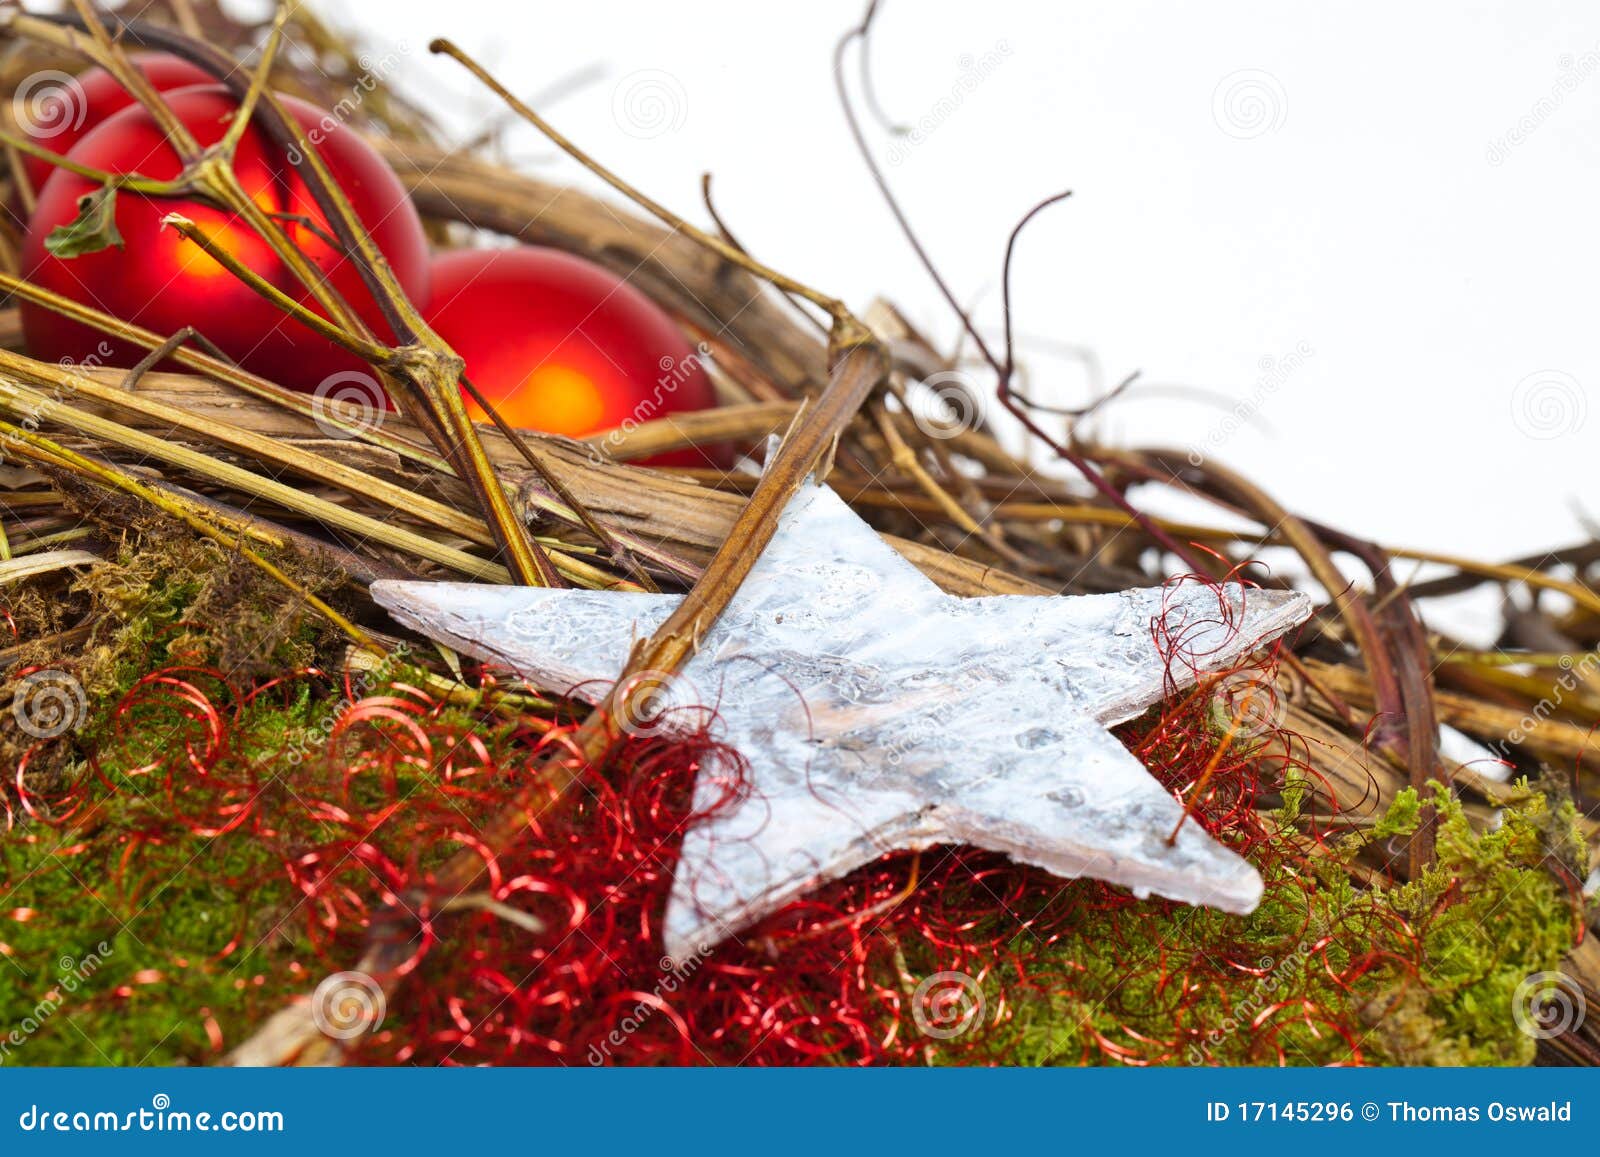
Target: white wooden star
[877, 713]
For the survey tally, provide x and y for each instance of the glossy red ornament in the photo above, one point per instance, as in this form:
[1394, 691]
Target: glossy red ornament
[163, 282]
[59, 113]
[562, 345]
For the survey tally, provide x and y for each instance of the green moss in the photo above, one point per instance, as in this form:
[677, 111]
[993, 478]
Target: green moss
[128, 940]
[1431, 966]
[1402, 818]
[130, 976]
[178, 599]
[124, 939]
[1493, 913]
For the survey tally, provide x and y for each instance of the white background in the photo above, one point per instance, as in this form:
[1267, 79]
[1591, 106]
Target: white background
[1354, 207]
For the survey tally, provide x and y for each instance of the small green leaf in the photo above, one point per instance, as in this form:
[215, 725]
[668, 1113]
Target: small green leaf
[94, 229]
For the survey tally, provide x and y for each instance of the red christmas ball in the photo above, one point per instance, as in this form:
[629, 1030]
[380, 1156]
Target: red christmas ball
[559, 344]
[57, 111]
[161, 281]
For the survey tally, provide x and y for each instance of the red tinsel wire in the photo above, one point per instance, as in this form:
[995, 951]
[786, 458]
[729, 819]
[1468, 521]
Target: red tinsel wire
[354, 823]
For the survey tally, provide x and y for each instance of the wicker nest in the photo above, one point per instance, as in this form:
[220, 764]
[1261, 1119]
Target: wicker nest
[108, 460]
